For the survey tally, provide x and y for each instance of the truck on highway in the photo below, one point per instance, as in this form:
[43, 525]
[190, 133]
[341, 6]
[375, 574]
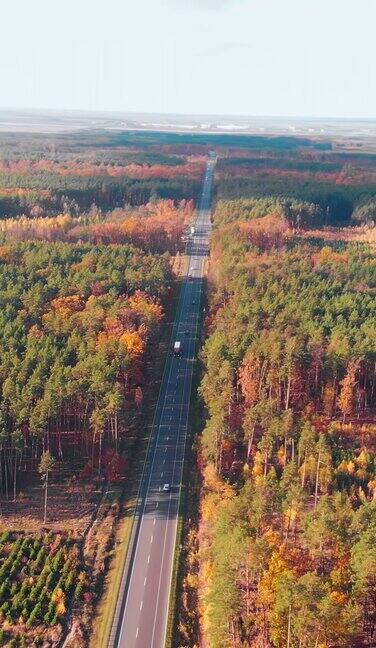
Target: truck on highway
[177, 348]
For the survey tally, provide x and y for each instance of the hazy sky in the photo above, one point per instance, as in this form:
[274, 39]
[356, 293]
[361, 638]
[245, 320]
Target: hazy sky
[256, 57]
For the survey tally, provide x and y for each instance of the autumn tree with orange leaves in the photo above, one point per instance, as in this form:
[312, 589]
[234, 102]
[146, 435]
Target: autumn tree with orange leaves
[75, 382]
[288, 514]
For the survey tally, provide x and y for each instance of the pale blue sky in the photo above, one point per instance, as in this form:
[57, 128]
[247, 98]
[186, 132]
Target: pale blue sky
[256, 57]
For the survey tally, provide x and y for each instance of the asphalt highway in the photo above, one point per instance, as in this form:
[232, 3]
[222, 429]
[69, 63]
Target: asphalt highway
[140, 619]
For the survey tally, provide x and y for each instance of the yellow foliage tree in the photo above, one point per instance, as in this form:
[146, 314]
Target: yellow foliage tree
[133, 342]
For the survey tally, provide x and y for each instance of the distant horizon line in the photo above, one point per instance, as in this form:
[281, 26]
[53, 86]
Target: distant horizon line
[196, 115]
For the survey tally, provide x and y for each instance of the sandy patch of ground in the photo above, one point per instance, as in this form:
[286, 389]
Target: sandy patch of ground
[70, 508]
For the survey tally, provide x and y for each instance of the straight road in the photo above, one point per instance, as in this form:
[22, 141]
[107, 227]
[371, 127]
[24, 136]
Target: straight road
[142, 609]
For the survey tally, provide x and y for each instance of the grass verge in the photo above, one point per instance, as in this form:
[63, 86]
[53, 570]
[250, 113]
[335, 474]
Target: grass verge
[106, 607]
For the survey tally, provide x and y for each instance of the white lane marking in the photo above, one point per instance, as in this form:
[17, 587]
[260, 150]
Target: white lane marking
[141, 604]
[188, 382]
[179, 427]
[156, 506]
[165, 449]
[164, 461]
[136, 633]
[152, 538]
[154, 521]
[145, 581]
[148, 558]
[162, 473]
[182, 304]
[164, 541]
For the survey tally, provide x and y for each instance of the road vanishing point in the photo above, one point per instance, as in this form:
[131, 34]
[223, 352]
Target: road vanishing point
[140, 619]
